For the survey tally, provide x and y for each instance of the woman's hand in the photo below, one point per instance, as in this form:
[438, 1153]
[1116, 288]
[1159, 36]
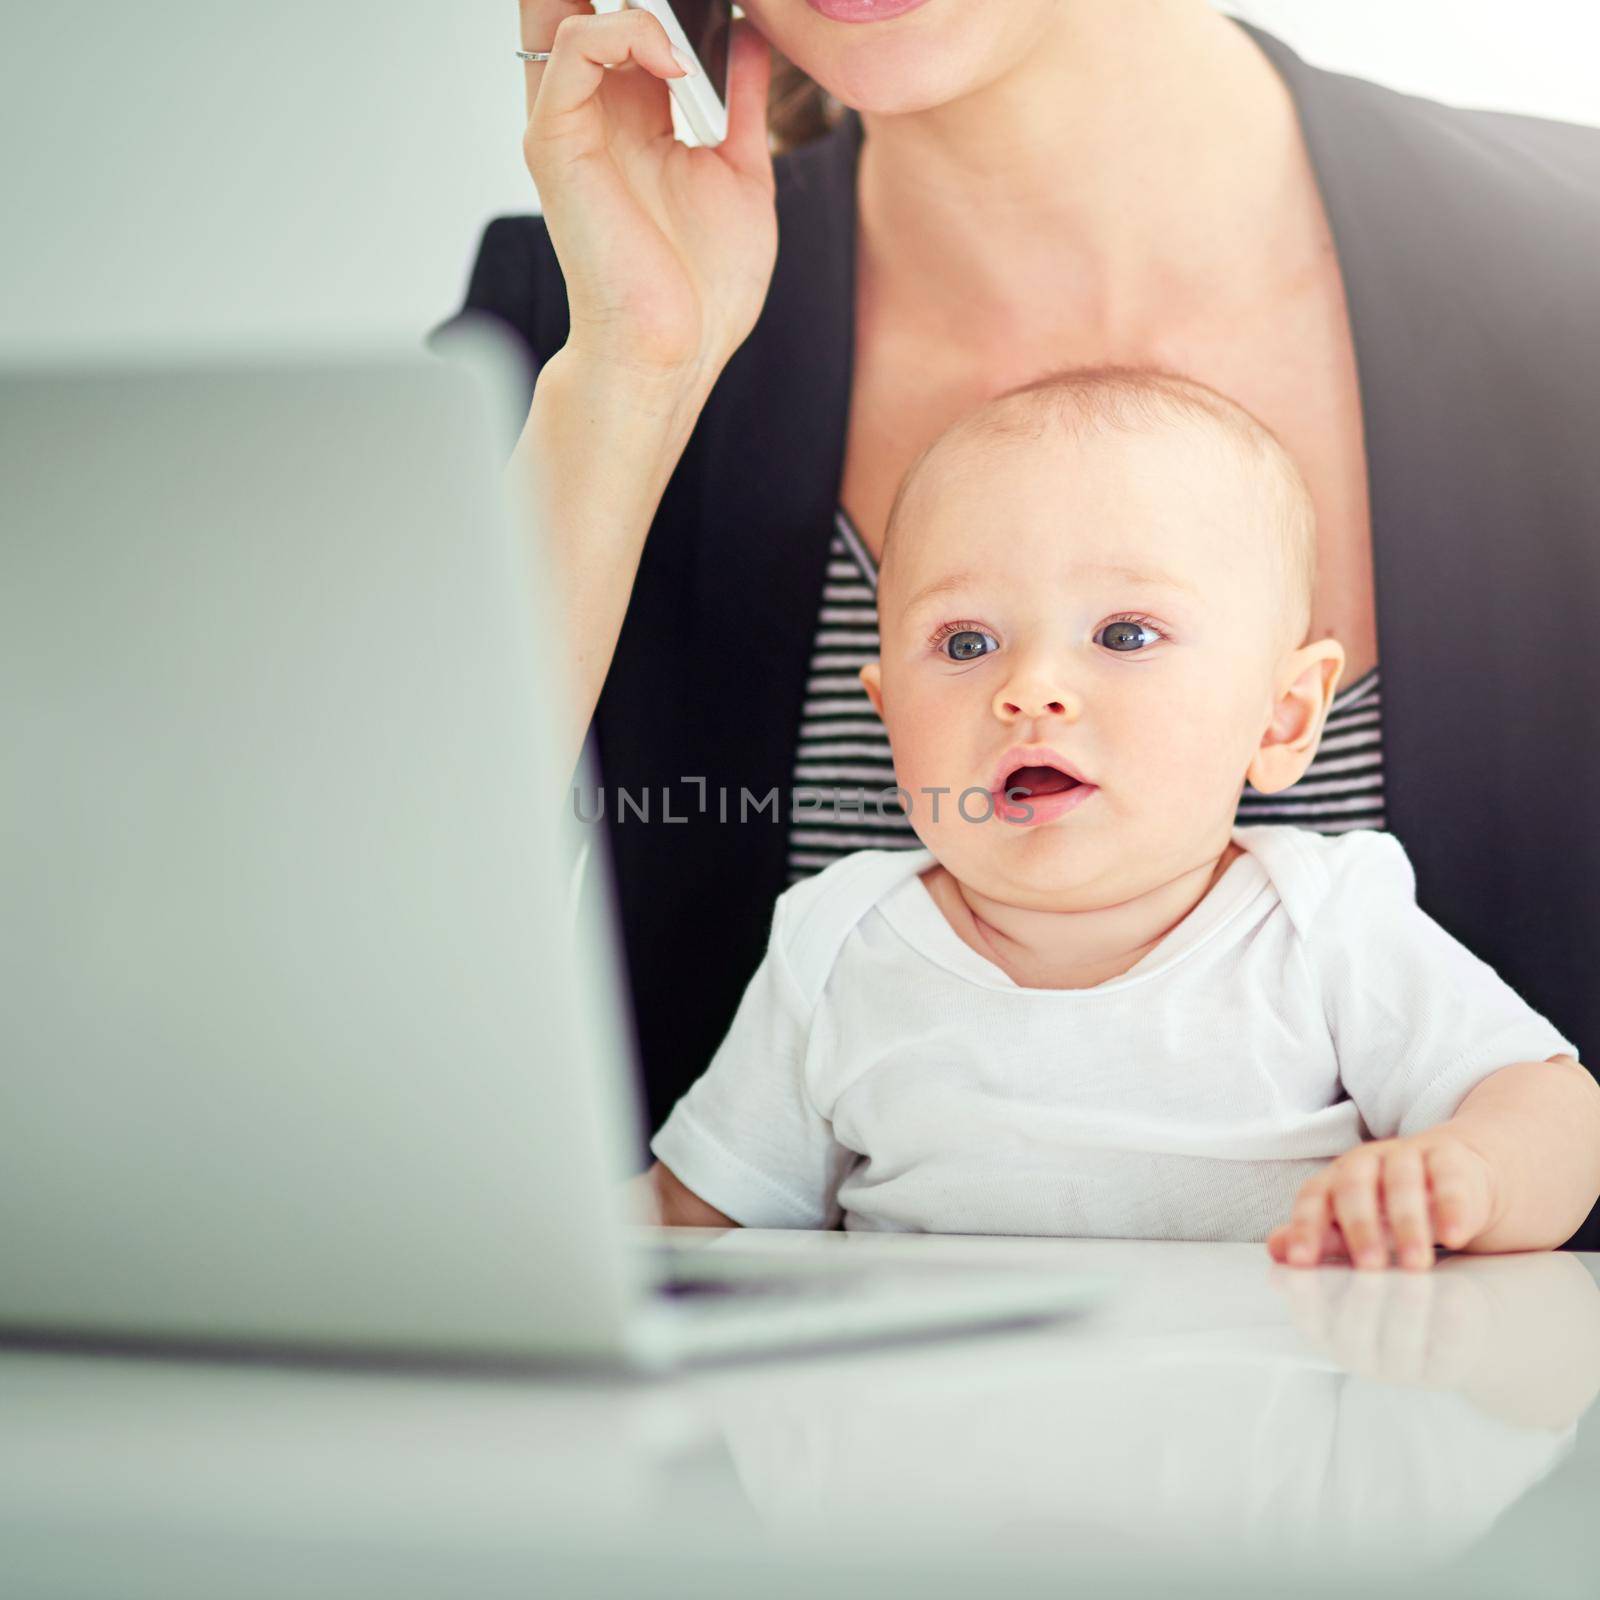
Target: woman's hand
[667, 250]
[1403, 1194]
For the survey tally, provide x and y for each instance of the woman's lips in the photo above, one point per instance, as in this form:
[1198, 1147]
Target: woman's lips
[863, 10]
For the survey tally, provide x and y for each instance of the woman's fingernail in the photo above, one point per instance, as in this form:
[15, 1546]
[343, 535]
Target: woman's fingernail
[1300, 1254]
[685, 61]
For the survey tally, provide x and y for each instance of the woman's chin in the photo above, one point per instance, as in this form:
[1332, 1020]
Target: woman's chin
[892, 88]
[881, 69]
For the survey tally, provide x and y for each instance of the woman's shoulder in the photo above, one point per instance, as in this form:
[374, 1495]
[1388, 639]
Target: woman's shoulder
[1455, 218]
[1539, 159]
[1365, 132]
[1561, 152]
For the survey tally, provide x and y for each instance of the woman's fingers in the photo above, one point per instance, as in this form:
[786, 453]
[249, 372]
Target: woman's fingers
[667, 252]
[584, 46]
[1405, 1204]
[539, 20]
[1354, 1194]
[746, 147]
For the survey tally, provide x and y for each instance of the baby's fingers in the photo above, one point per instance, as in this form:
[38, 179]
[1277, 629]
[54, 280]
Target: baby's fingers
[1308, 1223]
[1354, 1193]
[1460, 1198]
[1330, 1249]
[1405, 1203]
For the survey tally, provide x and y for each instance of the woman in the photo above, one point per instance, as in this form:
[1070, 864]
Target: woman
[735, 364]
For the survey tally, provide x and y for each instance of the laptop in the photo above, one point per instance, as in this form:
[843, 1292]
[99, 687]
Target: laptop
[314, 1037]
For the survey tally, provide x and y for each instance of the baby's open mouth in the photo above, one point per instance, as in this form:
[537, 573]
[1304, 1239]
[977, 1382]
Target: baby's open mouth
[1027, 782]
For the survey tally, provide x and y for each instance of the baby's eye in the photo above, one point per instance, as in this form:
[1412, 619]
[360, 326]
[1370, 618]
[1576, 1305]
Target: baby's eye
[967, 644]
[1124, 635]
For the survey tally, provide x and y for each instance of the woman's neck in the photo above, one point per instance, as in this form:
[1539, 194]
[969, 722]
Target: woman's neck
[1110, 177]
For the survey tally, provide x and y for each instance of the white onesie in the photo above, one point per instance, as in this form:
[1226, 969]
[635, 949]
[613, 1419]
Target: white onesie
[881, 1071]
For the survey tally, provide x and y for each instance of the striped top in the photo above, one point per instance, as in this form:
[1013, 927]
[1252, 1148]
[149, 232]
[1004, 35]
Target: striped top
[843, 748]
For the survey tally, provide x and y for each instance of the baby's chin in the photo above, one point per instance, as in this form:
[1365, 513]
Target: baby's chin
[1049, 866]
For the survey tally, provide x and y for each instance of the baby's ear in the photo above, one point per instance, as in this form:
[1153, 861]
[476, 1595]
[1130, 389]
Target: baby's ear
[872, 682]
[1305, 693]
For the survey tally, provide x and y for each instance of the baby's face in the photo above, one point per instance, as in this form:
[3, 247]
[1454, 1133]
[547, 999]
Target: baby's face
[1112, 605]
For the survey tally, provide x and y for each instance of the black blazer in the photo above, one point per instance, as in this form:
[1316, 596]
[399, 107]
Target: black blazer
[1470, 248]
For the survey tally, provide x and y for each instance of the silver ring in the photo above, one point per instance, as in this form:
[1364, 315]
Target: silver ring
[534, 55]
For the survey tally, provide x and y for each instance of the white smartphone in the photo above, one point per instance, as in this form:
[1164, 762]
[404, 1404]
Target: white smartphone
[703, 29]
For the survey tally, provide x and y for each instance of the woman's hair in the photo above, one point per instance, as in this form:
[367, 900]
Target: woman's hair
[799, 109]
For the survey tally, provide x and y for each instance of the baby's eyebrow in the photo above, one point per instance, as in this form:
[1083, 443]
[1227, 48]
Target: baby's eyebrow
[1135, 576]
[1146, 580]
[949, 585]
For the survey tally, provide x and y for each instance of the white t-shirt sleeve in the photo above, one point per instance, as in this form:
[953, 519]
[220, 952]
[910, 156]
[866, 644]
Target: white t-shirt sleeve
[746, 1137]
[1418, 1021]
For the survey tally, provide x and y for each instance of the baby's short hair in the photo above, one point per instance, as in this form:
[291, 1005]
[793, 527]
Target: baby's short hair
[1081, 401]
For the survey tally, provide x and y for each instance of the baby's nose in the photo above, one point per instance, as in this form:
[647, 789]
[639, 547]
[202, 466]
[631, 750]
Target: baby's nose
[1021, 700]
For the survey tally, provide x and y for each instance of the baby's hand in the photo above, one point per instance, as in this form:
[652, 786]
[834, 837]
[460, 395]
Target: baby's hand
[1431, 1186]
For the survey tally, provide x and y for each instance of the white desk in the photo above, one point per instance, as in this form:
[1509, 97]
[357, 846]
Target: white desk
[1220, 1421]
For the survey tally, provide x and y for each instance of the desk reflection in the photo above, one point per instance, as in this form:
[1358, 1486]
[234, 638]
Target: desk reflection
[1391, 1420]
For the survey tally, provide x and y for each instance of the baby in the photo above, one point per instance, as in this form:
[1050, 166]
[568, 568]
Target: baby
[1093, 1005]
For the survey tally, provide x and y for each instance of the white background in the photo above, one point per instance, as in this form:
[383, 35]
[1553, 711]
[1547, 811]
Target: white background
[204, 174]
